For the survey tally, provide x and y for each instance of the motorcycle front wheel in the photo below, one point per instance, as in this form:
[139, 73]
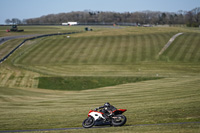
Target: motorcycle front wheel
[89, 122]
[119, 120]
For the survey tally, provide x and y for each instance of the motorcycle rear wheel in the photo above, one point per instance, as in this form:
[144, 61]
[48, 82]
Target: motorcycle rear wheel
[119, 121]
[89, 122]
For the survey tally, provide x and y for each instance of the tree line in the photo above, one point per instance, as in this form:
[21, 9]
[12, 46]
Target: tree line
[190, 18]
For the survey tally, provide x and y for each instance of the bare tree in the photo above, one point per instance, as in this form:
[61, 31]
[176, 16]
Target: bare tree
[8, 21]
[191, 18]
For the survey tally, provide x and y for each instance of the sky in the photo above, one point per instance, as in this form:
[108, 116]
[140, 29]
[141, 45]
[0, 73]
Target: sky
[24, 9]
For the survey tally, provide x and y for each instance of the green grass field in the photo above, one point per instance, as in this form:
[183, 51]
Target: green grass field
[84, 83]
[185, 49]
[125, 49]
[116, 65]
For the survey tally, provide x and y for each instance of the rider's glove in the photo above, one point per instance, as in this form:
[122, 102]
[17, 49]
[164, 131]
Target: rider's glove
[96, 109]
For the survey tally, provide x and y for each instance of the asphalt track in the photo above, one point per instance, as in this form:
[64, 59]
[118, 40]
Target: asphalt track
[4, 39]
[77, 128]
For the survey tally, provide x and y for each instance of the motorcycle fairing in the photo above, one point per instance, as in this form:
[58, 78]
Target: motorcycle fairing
[119, 111]
[96, 115]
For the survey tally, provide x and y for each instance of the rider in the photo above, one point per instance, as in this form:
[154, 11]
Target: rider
[107, 109]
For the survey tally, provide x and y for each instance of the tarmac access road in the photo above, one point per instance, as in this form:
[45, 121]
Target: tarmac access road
[4, 39]
[57, 129]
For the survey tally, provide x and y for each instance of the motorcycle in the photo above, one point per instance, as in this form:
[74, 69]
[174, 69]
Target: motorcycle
[97, 118]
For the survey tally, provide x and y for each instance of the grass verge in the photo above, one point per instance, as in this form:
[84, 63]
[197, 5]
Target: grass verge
[84, 83]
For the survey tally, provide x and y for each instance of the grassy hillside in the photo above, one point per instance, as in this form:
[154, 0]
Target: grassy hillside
[12, 77]
[126, 49]
[161, 101]
[6, 47]
[106, 54]
[185, 49]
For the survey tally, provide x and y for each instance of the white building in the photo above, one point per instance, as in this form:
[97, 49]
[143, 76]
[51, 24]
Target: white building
[70, 23]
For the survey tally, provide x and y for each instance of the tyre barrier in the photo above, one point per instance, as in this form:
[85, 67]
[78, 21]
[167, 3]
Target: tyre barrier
[36, 37]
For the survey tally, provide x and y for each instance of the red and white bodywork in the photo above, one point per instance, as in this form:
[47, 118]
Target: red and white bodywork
[95, 114]
[116, 118]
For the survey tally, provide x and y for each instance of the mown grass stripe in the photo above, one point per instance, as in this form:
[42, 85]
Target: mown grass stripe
[13, 79]
[154, 46]
[196, 51]
[2, 76]
[149, 47]
[18, 80]
[111, 50]
[139, 49]
[188, 48]
[134, 43]
[5, 79]
[79, 52]
[105, 52]
[55, 54]
[125, 48]
[108, 49]
[73, 49]
[129, 49]
[24, 80]
[198, 55]
[157, 41]
[192, 50]
[50, 51]
[45, 55]
[165, 37]
[28, 79]
[101, 51]
[35, 53]
[174, 48]
[143, 48]
[30, 55]
[112, 54]
[122, 45]
[116, 49]
[88, 48]
[34, 80]
[42, 55]
[7, 47]
[65, 49]
[93, 50]
[162, 40]
[181, 49]
[98, 47]
[120, 51]
[84, 55]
